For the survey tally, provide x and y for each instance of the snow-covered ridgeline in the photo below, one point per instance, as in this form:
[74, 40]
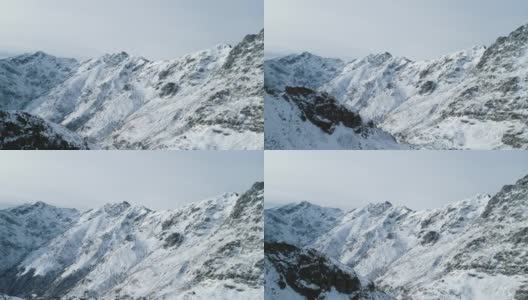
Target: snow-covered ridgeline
[211, 99]
[212, 247]
[471, 99]
[448, 253]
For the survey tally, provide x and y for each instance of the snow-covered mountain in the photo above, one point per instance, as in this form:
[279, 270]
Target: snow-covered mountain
[208, 249]
[472, 99]
[471, 249]
[212, 99]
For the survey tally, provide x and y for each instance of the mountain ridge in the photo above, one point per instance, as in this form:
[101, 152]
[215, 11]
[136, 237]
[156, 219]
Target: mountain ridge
[457, 251]
[210, 99]
[207, 247]
[470, 99]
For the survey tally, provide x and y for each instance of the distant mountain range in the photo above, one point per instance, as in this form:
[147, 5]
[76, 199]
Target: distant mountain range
[472, 249]
[472, 99]
[205, 250]
[212, 99]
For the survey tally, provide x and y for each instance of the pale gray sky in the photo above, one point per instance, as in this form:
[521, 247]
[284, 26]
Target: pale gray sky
[416, 179]
[155, 179]
[417, 29]
[154, 29]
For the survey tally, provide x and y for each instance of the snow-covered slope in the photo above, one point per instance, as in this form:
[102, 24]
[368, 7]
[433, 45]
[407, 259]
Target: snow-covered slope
[472, 99]
[471, 249]
[298, 117]
[212, 99]
[25, 228]
[212, 248]
[22, 131]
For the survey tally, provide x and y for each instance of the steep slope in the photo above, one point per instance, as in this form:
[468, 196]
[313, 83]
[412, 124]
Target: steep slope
[489, 252]
[25, 228]
[22, 131]
[301, 118]
[119, 251]
[211, 99]
[221, 109]
[472, 99]
[462, 251]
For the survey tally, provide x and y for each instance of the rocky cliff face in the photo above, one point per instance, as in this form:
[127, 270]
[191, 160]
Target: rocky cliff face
[121, 251]
[23, 131]
[295, 273]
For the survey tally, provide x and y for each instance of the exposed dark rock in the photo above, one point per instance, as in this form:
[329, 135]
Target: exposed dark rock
[242, 49]
[22, 131]
[309, 272]
[431, 237]
[247, 199]
[427, 87]
[520, 237]
[521, 293]
[321, 109]
[173, 240]
[169, 89]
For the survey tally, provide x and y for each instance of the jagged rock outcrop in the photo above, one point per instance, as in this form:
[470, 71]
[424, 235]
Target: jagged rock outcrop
[311, 275]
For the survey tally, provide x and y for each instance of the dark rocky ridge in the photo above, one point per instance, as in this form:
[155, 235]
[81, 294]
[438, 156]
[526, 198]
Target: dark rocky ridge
[312, 274]
[23, 131]
[321, 109]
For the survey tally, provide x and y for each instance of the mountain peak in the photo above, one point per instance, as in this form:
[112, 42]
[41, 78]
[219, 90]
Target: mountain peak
[523, 181]
[39, 54]
[40, 204]
[378, 58]
[378, 208]
[307, 54]
[521, 30]
[303, 205]
[30, 57]
[293, 58]
[30, 207]
[116, 208]
[115, 58]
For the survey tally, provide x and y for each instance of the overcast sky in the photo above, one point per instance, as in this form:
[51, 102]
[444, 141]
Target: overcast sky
[417, 29]
[155, 179]
[154, 29]
[416, 179]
